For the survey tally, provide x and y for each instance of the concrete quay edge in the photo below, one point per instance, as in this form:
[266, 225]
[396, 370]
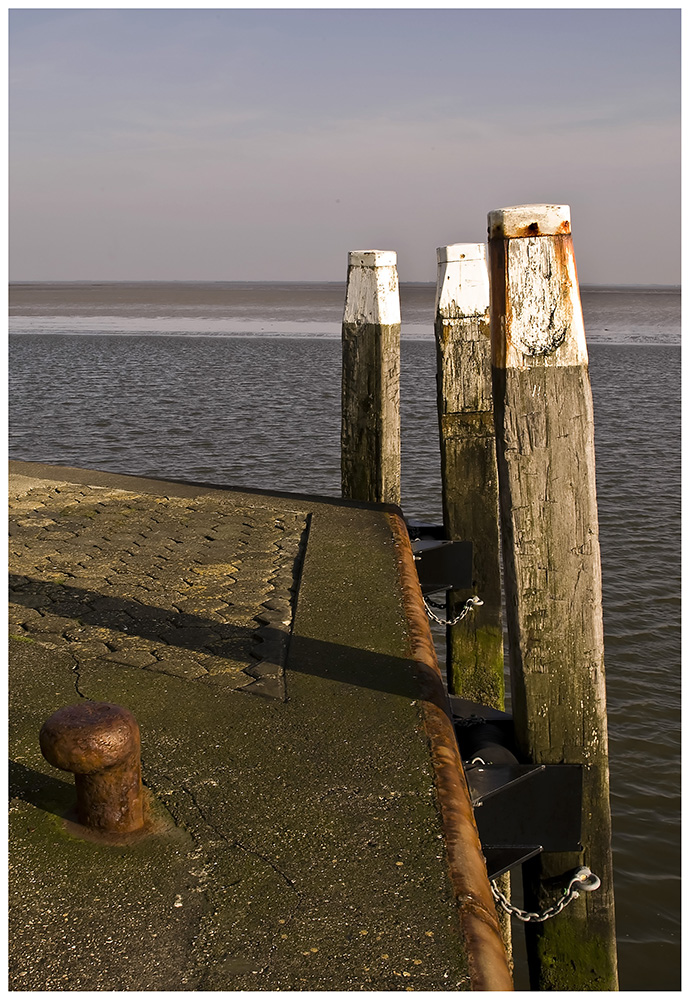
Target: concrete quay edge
[487, 964]
[489, 969]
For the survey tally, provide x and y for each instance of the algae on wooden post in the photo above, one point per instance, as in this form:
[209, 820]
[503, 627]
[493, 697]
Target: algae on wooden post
[474, 658]
[474, 646]
[552, 569]
[370, 432]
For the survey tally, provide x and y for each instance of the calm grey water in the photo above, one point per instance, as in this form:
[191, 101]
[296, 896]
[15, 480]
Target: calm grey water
[239, 384]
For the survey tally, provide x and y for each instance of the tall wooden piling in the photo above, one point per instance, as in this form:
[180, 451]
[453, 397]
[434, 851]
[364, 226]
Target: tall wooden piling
[469, 481]
[370, 433]
[474, 646]
[552, 571]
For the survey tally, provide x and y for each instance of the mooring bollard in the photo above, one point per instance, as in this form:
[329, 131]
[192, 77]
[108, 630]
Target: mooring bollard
[552, 571]
[474, 658]
[370, 434]
[99, 743]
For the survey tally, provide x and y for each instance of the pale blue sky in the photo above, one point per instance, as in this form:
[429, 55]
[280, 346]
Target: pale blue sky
[263, 144]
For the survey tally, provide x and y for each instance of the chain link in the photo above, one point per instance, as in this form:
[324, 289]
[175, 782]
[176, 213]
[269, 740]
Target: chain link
[583, 878]
[470, 604]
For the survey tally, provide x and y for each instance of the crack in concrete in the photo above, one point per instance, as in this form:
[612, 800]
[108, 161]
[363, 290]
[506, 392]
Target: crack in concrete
[236, 843]
[208, 887]
[77, 670]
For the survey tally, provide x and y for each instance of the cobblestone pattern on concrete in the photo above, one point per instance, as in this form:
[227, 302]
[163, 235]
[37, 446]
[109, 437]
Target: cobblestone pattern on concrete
[194, 587]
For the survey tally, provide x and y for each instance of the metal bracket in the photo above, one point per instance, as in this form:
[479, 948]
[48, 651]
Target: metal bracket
[441, 564]
[523, 809]
[520, 809]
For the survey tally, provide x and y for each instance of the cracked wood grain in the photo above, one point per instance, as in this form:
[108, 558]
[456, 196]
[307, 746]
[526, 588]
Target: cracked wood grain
[468, 467]
[469, 478]
[370, 429]
[552, 570]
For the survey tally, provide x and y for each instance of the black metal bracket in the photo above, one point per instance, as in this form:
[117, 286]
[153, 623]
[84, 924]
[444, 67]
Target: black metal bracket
[520, 809]
[523, 809]
[441, 564]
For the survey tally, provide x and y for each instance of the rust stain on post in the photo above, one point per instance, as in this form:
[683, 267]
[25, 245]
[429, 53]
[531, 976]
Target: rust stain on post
[533, 229]
[488, 963]
[520, 221]
[546, 462]
[535, 302]
[100, 744]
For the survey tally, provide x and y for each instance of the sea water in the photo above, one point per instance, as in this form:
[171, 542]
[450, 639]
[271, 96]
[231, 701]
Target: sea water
[239, 384]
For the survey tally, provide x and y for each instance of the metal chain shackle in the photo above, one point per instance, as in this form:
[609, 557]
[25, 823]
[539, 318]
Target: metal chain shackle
[470, 604]
[584, 879]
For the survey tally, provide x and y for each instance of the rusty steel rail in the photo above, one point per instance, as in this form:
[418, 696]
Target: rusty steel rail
[487, 959]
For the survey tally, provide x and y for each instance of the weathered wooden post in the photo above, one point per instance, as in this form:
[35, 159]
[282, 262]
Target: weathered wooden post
[469, 481]
[474, 646]
[370, 435]
[552, 571]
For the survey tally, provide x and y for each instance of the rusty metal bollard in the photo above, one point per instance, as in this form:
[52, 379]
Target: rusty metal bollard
[100, 744]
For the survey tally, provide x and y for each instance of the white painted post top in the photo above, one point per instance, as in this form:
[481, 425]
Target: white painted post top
[372, 258]
[462, 283]
[529, 220]
[461, 251]
[372, 294]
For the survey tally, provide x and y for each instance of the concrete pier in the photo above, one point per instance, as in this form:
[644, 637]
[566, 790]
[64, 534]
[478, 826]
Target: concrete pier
[312, 825]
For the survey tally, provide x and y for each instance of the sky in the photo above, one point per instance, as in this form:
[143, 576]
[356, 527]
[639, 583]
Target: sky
[263, 144]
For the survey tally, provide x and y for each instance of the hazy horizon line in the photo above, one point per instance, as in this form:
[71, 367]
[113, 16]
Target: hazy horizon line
[279, 281]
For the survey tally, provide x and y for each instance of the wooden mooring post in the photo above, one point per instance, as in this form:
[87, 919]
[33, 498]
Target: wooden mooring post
[474, 646]
[370, 433]
[469, 482]
[552, 572]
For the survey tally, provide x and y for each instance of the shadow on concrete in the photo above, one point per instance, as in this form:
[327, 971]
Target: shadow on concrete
[348, 665]
[332, 661]
[40, 790]
[130, 617]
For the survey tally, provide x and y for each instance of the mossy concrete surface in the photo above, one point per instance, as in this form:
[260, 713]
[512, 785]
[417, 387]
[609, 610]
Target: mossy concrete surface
[298, 843]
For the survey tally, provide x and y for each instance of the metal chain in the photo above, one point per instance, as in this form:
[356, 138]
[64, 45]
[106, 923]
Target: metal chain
[470, 604]
[583, 878]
